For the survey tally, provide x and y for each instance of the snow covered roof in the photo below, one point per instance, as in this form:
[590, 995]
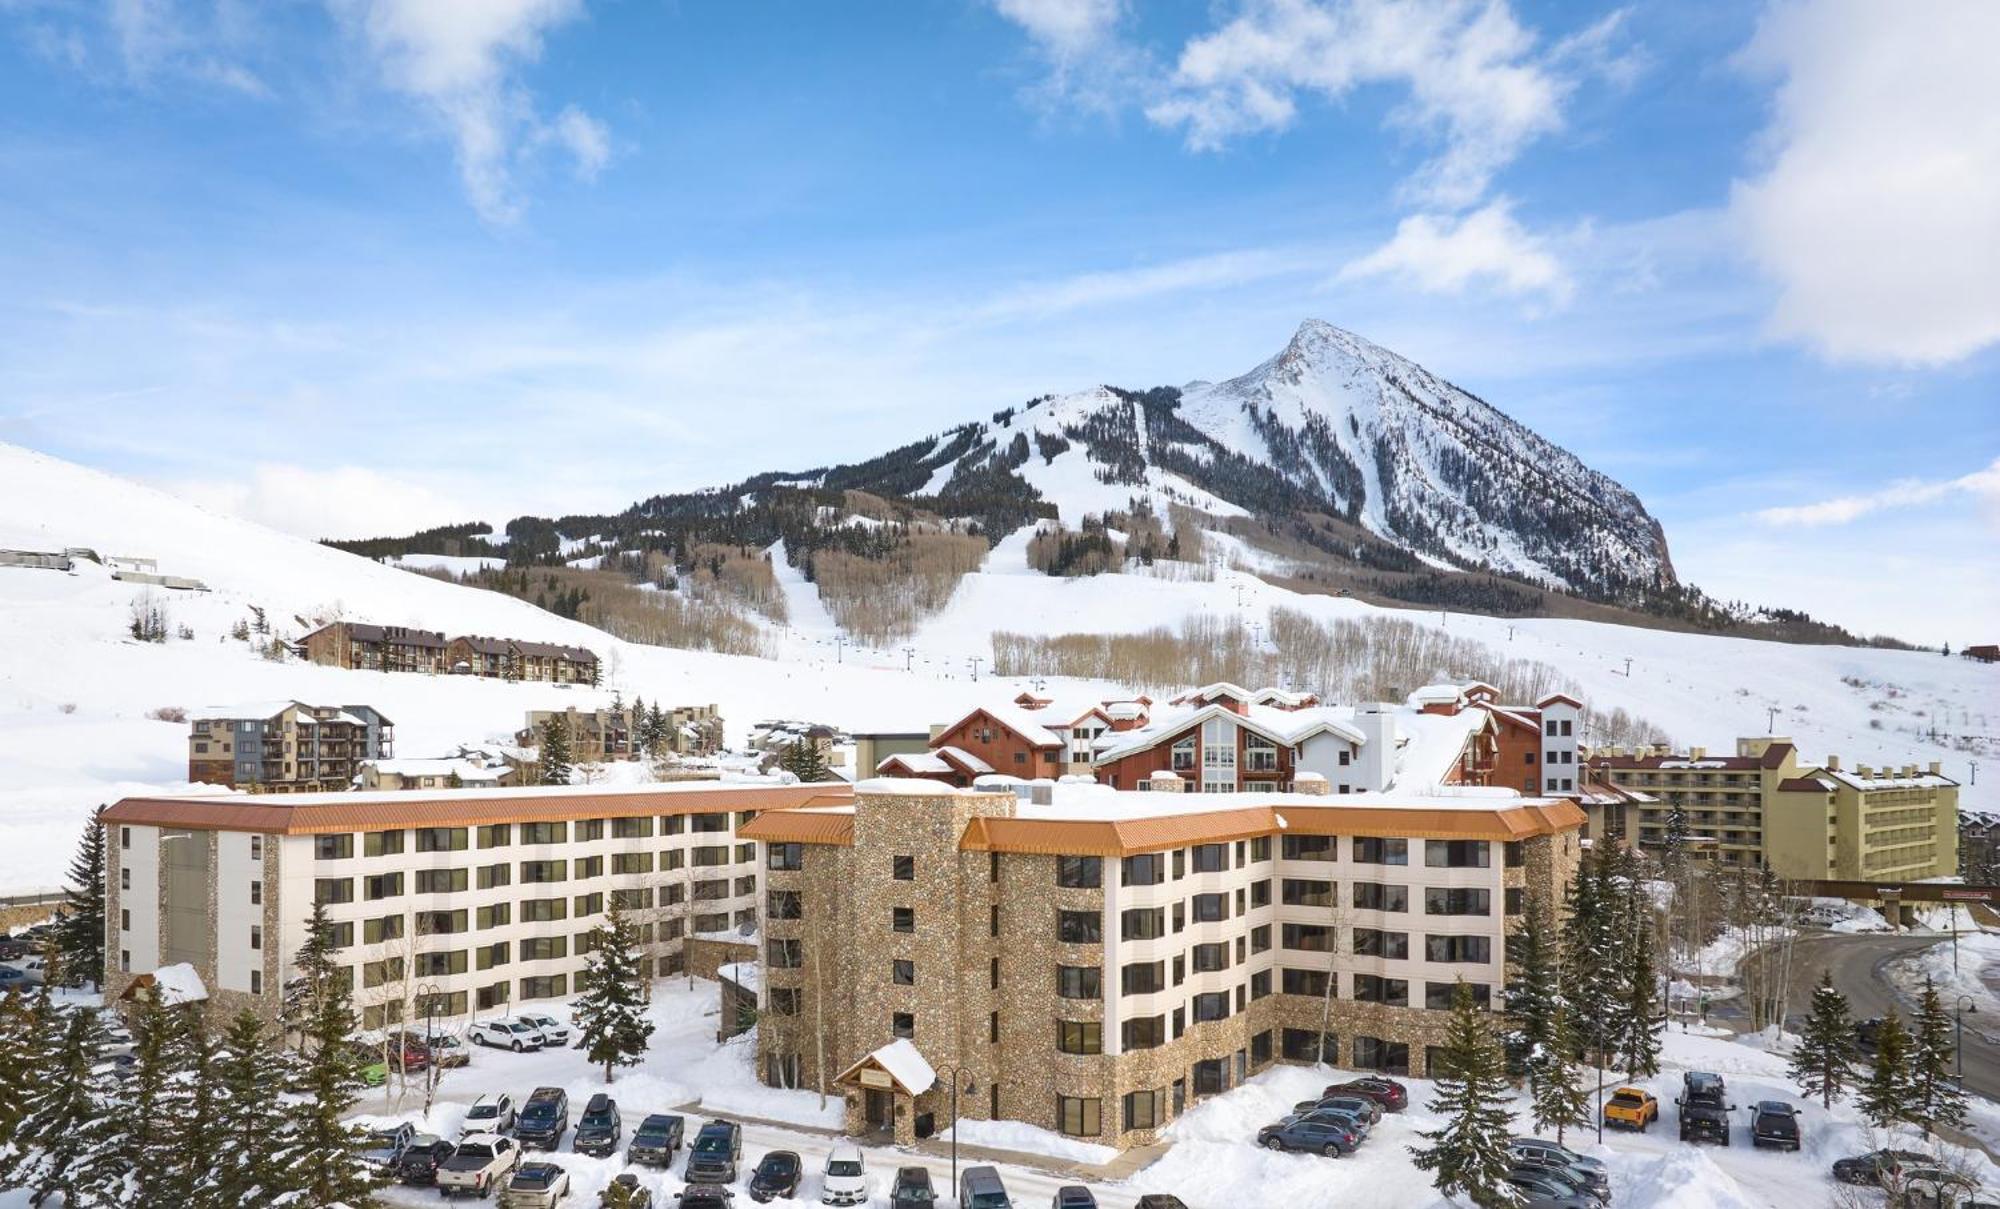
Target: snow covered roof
[1285, 726]
[1030, 724]
[900, 1061]
[177, 984]
[746, 974]
[1438, 694]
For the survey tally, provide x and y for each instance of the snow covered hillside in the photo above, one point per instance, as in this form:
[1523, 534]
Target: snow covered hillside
[76, 689]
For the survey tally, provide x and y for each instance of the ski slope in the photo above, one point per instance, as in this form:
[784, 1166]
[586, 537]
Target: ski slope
[76, 689]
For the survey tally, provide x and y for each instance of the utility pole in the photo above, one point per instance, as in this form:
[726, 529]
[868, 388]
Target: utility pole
[909, 655]
[1770, 719]
[1628, 667]
[973, 661]
[840, 648]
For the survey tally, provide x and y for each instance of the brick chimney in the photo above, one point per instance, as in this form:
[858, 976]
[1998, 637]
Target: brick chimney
[1833, 763]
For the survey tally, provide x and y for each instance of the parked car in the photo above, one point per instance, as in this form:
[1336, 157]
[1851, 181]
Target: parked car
[980, 1188]
[1632, 1108]
[600, 1129]
[1774, 1123]
[1339, 1116]
[421, 1159]
[1360, 1104]
[1159, 1200]
[1569, 1181]
[1919, 1187]
[656, 1140]
[406, 1052]
[448, 1052]
[387, 1144]
[1876, 1168]
[554, 1032]
[844, 1180]
[1538, 1192]
[777, 1174]
[1074, 1196]
[489, 1114]
[1320, 1137]
[537, 1185]
[713, 1156]
[625, 1192]
[506, 1034]
[13, 978]
[1537, 1152]
[1868, 1034]
[13, 948]
[705, 1196]
[1391, 1095]
[544, 1119]
[912, 1189]
[374, 1071]
[1704, 1107]
[481, 1163]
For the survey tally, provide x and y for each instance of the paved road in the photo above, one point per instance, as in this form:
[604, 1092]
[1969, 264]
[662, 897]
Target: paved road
[1857, 963]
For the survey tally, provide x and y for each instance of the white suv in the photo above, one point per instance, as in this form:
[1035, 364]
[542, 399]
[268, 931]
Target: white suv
[845, 1181]
[554, 1032]
[515, 1035]
[489, 1114]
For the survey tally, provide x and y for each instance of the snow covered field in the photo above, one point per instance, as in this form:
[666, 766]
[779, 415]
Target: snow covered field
[1213, 1162]
[76, 689]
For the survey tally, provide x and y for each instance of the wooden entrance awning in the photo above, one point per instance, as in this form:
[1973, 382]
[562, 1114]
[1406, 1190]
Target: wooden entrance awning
[897, 1066]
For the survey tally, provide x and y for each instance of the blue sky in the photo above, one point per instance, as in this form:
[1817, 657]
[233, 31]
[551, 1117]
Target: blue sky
[362, 265]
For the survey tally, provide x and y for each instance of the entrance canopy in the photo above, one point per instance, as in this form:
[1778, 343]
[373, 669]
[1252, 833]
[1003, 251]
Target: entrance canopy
[896, 1066]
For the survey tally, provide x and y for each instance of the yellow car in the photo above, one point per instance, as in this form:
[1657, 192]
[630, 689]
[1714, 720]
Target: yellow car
[1631, 1108]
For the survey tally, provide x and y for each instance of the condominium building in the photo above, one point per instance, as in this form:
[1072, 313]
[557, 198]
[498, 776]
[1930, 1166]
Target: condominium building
[1094, 961]
[286, 746]
[377, 648]
[480, 898]
[1762, 807]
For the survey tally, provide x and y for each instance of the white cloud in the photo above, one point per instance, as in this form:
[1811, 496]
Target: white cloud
[1909, 493]
[1064, 27]
[1440, 254]
[339, 501]
[1878, 215]
[1090, 67]
[460, 59]
[1474, 79]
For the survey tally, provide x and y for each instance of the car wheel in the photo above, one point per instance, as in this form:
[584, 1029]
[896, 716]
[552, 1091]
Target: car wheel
[517, 1047]
[1273, 1144]
[1332, 1151]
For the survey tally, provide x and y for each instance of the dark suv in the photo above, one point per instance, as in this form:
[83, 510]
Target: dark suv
[713, 1156]
[1705, 1108]
[656, 1141]
[912, 1189]
[600, 1128]
[544, 1120]
[1776, 1124]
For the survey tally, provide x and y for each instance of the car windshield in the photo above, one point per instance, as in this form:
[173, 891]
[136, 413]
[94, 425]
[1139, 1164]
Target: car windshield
[780, 1164]
[519, 1028]
[988, 1200]
[536, 1112]
[653, 1131]
[481, 1112]
[475, 1150]
[1628, 1098]
[843, 1167]
[601, 1117]
[711, 1143]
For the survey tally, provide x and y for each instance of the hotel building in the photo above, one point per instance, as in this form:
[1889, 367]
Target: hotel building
[1094, 961]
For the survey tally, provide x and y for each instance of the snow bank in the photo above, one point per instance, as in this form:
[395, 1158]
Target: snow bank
[1029, 1139]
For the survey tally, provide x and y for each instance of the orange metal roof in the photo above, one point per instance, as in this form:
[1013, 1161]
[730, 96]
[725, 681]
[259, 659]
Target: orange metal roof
[801, 827]
[322, 813]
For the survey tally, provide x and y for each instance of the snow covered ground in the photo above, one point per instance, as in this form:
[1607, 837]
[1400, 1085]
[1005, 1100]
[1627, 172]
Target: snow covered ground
[1213, 1162]
[76, 690]
[1973, 970]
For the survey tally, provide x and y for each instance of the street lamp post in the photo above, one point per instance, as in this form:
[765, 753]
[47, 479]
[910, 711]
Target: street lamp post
[427, 995]
[957, 1078]
[1965, 1004]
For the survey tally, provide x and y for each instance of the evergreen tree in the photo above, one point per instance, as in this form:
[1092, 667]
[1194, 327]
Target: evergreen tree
[317, 972]
[1468, 1153]
[65, 1138]
[611, 1013]
[249, 1121]
[555, 754]
[1823, 1061]
[192, 1107]
[804, 760]
[147, 1146]
[1885, 1096]
[320, 1152]
[1590, 972]
[1935, 1097]
[657, 725]
[1533, 991]
[1558, 1096]
[79, 939]
[27, 1033]
[1640, 1020]
[1674, 855]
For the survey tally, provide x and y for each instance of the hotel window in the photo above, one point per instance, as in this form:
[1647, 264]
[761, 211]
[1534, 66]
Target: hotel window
[1183, 755]
[1307, 892]
[441, 881]
[712, 923]
[902, 919]
[784, 904]
[1374, 896]
[1210, 908]
[1078, 1117]
[1368, 988]
[1143, 977]
[903, 972]
[712, 890]
[1260, 849]
[441, 839]
[499, 915]
[672, 859]
[499, 953]
[440, 923]
[1304, 1045]
[784, 1001]
[340, 935]
[1260, 893]
[256, 982]
[386, 927]
[1369, 942]
[1457, 854]
[1210, 958]
[1473, 949]
[495, 875]
[375, 973]
[1372, 850]
[382, 843]
[1311, 848]
[333, 890]
[1079, 1037]
[256, 889]
[544, 948]
[745, 853]
[1437, 995]
[639, 828]
[125, 840]
[543, 833]
[1142, 1109]
[1080, 982]
[1514, 855]
[591, 904]
[903, 868]
[589, 829]
[1307, 938]
[1439, 900]
[546, 986]
[903, 1024]
[1304, 982]
[1146, 869]
[588, 867]
[1211, 1006]
[710, 822]
[1218, 755]
[256, 847]
[1148, 1032]
[541, 873]
[542, 910]
[333, 847]
[709, 856]
[1142, 923]
[1080, 872]
[1389, 1057]
[673, 824]
[1080, 927]
[784, 954]
[632, 862]
[1211, 858]
[1260, 754]
[1513, 906]
[125, 919]
[637, 899]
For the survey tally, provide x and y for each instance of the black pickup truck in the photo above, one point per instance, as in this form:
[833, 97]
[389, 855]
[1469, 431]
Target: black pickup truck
[1704, 1108]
